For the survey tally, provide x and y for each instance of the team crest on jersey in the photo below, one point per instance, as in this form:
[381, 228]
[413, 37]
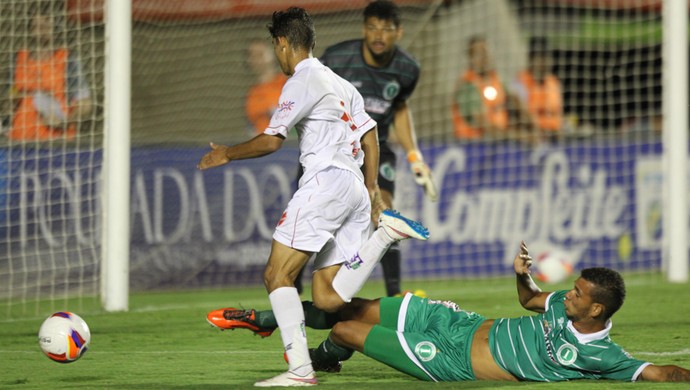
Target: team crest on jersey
[566, 354]
[425, 351]
[286, 106]
[387, 171]
[391, 90]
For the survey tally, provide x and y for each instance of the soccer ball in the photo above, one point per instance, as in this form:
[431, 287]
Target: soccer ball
[64, 337]
[553, 267]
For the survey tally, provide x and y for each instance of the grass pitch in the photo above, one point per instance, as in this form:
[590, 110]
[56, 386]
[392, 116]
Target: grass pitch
[164, 342]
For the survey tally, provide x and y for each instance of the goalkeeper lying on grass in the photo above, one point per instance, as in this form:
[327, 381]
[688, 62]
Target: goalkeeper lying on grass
[438, 341]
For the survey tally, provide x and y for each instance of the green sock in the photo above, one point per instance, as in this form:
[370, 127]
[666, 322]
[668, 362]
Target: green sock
[266, 319]
[317, 318]
[314, 318]
[329, 353]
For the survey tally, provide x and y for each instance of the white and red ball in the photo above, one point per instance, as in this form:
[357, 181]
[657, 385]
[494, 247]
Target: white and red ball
[64, 337]
[553, 267]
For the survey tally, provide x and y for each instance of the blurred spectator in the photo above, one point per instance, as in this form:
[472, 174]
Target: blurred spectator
[479, 106]
[262, 98]
[539, 93]
[48, 91]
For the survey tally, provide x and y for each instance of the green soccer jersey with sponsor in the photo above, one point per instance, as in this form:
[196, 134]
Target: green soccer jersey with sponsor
[382, 88]
[547, 348]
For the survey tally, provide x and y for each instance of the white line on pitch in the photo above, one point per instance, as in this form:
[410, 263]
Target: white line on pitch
[682, 352]
[92, 352]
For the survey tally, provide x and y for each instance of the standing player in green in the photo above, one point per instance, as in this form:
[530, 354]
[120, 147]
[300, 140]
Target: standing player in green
[438, 341]
[386, 76]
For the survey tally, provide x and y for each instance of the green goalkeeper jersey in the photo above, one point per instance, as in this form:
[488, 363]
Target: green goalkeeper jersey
[547, 348]
[382, 88]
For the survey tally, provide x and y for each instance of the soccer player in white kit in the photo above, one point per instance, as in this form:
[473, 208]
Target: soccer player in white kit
[330, 214]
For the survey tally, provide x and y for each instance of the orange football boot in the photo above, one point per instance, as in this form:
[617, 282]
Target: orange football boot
[232, 318]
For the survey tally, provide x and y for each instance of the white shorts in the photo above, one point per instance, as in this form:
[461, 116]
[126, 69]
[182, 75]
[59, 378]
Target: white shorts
[329, 215]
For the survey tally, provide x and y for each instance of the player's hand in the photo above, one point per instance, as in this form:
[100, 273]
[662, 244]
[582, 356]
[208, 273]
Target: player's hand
[377, 204]
[523, 261]
[214, 158]
[422, 174]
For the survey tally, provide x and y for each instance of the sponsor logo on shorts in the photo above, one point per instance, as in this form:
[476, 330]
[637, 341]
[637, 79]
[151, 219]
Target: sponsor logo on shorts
[567, 354]
[425, 351]
[354, 263]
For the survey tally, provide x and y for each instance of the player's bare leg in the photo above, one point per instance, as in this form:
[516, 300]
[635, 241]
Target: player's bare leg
[351, 334]
[342, 341]
[283, 266]
[323, 294]
[390, 262]
[363, 310]
[352, 275]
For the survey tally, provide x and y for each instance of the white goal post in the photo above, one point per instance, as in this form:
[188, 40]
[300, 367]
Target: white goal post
[675, 104]
[116, 155]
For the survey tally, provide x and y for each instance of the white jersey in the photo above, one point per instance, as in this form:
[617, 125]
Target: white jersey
[328, 114]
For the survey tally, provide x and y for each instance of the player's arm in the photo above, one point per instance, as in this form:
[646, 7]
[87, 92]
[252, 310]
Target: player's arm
[404, 127]
[530, 295]
[669, 373]
[406, 136]
[370, 146]
[258, 146]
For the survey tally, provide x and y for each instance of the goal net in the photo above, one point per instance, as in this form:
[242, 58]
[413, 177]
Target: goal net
[50, 157]
[567, 158]
[573, 169]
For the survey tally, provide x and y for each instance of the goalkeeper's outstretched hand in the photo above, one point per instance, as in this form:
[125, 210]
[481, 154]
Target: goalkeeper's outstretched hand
[422, 175]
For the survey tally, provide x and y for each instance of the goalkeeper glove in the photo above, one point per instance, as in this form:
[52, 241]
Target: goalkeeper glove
[422, 174]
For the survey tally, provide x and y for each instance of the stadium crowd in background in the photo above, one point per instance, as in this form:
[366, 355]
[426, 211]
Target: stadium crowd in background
[330, 214]
[479, 107]
[435, 340]
[539, 92]
[485, 108]
[48, 92]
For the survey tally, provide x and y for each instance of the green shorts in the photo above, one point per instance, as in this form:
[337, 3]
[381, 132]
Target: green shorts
[424, 338]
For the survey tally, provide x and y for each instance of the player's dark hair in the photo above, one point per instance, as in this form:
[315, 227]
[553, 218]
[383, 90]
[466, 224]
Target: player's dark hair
[384, 10]
[295, 25]
[609, 288]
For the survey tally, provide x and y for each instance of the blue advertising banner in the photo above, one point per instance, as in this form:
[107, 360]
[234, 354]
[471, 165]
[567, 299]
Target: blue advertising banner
[592, 204]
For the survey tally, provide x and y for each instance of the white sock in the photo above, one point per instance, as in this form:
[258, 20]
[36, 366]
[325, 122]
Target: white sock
[354, 273]
[289, 314]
